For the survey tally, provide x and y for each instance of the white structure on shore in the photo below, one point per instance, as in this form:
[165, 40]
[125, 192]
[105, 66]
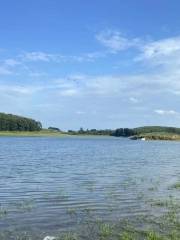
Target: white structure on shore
[49, 238]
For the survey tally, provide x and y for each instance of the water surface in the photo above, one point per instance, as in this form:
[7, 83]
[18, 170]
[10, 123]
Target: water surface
[47, 183]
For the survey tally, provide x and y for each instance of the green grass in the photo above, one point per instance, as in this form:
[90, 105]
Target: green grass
[160, 136]
[44, 132]
[105, 231]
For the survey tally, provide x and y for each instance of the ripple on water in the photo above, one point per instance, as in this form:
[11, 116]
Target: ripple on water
[50, 183]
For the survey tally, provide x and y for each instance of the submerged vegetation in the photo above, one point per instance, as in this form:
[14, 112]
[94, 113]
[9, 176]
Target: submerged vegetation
[161, 223]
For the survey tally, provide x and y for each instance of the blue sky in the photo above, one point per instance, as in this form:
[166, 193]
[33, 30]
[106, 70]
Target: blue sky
[91, 64]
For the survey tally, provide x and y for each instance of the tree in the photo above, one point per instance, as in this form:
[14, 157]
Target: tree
[10, 122]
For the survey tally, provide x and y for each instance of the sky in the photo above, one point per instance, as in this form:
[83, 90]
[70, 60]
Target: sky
[91, 64]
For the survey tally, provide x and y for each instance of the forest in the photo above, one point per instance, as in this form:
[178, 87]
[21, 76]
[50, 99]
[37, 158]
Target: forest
[10, 122]
[127, 132]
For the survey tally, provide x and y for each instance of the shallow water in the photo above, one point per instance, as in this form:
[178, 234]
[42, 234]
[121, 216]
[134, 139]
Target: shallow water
[45, 183]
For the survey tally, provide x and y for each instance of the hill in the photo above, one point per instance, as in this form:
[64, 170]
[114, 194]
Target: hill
[10, 122]
[156, 129]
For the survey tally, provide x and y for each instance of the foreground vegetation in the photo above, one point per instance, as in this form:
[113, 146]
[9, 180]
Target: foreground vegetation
[161, 222]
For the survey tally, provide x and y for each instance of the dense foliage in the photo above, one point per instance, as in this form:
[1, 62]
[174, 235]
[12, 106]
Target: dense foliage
[91, 132]
[155, 129]
[54, 129]
[127, 132]
[123, 132]
[9, 122]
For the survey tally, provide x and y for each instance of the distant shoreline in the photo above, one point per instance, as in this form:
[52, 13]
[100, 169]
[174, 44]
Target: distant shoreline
[49, 133]
[45, 133]
[19, 126]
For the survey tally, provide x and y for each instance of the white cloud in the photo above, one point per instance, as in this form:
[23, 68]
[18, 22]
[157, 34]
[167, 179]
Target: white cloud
[58, 58]
[161, 48]
[164, 53]
[37, 56]
[115, 41]
[160, 52]
[165, 112]
[117, 85]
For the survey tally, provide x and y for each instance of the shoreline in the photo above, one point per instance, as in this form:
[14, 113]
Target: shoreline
[156, 137]
[47, 133]
[44, 133]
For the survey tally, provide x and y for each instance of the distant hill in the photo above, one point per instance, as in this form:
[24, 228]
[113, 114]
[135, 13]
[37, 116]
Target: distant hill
[127, 132]
[10, 122]
[156, 129]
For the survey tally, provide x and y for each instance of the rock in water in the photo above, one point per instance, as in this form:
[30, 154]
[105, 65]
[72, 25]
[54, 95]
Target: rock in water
[49, 238]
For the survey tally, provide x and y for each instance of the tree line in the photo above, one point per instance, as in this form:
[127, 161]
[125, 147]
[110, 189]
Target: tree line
[126, 132]
[10, 122]
[120, 132]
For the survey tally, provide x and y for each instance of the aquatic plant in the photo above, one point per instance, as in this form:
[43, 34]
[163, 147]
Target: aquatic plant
[105, 230]
[71, 211]
[3, 211]
[25, 205]
[68, 236]
[62, 194]
[176, 186]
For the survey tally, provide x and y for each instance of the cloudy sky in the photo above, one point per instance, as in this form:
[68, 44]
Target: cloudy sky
[91, 64]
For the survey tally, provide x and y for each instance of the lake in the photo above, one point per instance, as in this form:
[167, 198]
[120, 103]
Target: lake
[50, 185]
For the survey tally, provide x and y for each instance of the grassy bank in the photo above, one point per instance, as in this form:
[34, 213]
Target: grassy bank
[160, 136]
[42, 133]
[45, 133]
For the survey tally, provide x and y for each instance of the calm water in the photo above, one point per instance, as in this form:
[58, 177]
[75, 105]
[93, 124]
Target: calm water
[46, 182]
